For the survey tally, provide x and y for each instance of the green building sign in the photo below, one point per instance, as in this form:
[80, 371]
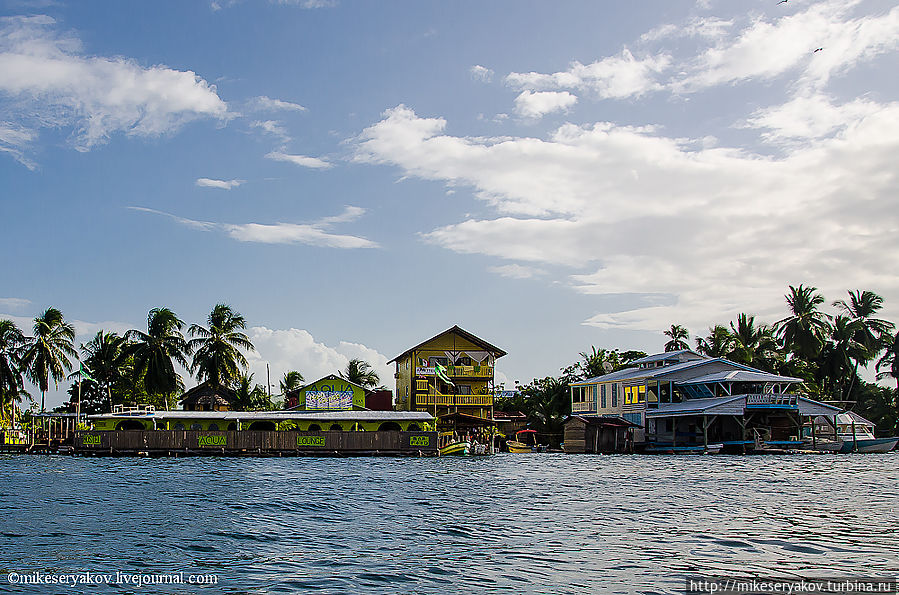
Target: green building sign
[90, 440]
[212, 440]
[311, 441]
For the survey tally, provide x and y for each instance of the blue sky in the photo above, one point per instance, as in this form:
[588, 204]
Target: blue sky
[355, 177]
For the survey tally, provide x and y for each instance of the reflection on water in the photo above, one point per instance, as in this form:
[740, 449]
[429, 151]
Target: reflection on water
[540, 523]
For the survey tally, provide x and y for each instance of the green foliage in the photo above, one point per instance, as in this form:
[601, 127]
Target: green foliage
[217, 349]
[292, 380]
[678, 336]
[877, 403]
[250, 396]
[360, 372]
[155, 353]
[547, 404]
[46, 354]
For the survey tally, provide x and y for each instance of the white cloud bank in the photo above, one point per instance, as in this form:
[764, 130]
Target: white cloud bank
[310, 234]
[297, 349]
[46, 81]
[263, 103]
[723, 230]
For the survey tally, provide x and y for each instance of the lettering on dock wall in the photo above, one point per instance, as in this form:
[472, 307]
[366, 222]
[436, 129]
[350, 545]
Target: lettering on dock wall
[90, 439]
[419, 441]
[310, 440]
[212, 441]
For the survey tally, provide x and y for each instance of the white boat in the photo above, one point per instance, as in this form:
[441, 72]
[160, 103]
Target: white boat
[854, 434]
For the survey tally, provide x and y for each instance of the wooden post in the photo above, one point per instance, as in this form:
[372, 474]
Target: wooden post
[705, 432]
[814, 433]
[854, 439]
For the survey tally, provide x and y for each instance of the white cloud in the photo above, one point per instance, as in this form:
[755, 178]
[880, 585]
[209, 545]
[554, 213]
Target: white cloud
[703, 27]
[613, 77]
[481, 73]
[264, 103]
[536, 104]
[712, 230]
[301, 160]
[517, 271]
[14, 303]
[272, 127]
[310, 234]
[309, 4]
[47, 81]
[770, 48]
[811, 117]
[222, 184]
[297, 349]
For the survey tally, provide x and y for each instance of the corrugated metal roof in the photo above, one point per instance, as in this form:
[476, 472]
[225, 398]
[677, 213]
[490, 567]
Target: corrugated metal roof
[325, 416]
[691, 406]
[740, 376]
[660, 357]
[642, 373]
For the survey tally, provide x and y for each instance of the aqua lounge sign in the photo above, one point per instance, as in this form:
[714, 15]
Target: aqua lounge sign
[210, 440]
[334, 394]
[421, 441]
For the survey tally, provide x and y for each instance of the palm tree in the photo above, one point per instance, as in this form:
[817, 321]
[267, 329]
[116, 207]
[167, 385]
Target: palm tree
[249, 396]
[360, 372]
[873, 333]
[45, 355]
[803, 332]
[105, 359]
[679, 337]
[717, 344]
[292, 380]
[156, 352]
[753, 345]
[888, 366]
[11, 384]
[217, 357]
[840, 357]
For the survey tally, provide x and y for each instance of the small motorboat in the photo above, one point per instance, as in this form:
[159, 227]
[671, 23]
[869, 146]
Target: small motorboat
[520, 446]
[456, 449]
[856, 434]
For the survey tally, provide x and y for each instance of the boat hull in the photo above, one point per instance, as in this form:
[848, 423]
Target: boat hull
[869, 445]
[456, 449]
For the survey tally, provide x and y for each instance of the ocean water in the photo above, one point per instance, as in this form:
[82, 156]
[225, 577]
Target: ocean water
[541, 523]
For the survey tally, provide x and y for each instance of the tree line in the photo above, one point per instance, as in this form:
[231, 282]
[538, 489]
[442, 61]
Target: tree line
[825, 350]
[140, 367]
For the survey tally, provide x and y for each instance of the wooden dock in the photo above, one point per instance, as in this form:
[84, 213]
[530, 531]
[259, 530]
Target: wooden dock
[254, 443]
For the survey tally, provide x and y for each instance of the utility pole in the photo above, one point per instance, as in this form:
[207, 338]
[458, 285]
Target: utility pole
[268, 376]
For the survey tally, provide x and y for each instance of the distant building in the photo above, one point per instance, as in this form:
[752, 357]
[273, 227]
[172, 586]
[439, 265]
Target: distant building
[206, 397]
[333, 393]
[466, 361]
[688, 400]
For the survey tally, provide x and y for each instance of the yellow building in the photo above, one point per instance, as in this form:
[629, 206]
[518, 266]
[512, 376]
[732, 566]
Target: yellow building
[467, 361]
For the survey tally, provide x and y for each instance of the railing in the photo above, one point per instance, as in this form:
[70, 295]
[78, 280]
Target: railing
[141, 410]
[769, 400]
[452, 400]
[582, 406]
[458, 371]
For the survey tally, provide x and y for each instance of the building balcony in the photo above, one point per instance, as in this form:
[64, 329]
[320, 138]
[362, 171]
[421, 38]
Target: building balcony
[441, 400]
[582, 407]
[772, 401]
[458, 371]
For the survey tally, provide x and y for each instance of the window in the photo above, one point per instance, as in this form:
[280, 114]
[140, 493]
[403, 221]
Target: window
[602, 396]
[438, 360]
[640, 394]
[463, 389]
[614, 394]
[196, 427]
[595, 389]
[213, 427]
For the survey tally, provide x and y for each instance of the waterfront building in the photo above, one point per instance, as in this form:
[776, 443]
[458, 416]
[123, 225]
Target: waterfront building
[683, 400]
[450, 375]
[207, 397]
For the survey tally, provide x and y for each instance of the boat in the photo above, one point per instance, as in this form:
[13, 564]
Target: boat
[451, 446]
[519, 446]
[853, 434]
[857, 437]
[456, 449]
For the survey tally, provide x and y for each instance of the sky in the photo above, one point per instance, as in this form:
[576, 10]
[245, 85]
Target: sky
[356, 177]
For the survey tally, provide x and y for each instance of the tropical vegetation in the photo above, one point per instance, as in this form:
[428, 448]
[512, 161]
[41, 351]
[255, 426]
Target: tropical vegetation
[827, 351]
